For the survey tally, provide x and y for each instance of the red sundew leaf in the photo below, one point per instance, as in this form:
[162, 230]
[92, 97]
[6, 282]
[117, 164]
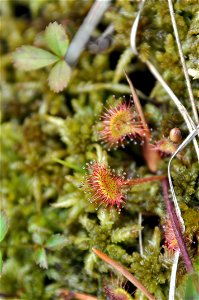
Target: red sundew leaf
[104, 186]
[119, 123]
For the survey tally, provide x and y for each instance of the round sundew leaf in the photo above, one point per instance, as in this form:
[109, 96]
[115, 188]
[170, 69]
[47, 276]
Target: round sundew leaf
[3, 226]
[59, 76]
[41, 258]
[56, 242]
[56, 38]
[29, 58]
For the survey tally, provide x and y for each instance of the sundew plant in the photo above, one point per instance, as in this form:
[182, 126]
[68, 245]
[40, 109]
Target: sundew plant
[99, 150]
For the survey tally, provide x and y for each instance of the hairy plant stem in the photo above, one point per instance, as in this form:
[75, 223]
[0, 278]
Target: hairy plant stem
[176, 227]
[124, 272]
[137, 181]
[72, 295]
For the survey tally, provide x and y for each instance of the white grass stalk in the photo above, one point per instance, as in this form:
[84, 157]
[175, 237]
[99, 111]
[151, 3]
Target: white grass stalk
[134, 29]
[83, 34]
[172, 286]
[189, 122]
[175, 29]
[140, 234]
[189, 138]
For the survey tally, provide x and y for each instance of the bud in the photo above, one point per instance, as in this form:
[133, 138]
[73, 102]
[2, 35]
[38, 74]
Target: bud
[175, 135]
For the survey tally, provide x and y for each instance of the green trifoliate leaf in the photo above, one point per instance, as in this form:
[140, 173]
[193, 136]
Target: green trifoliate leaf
[56, 38]
[3, 225]
[29, 58]
[59, 76]
[56, 242]
[41, 258]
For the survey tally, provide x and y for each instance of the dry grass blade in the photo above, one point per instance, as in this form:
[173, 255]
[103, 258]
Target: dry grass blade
[122, 270]
[134, 29]
[73, 295]
[173, 275]
[189, 122]
[138, 107]
[83, 34]
[175, 29]
[189, 138]
[152, 157]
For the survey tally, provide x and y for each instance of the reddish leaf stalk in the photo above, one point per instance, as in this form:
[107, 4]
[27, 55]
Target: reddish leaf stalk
[139, 108]
[152, 157]
[176, 227]
[72, 295]
[137, 181]
[124, 272]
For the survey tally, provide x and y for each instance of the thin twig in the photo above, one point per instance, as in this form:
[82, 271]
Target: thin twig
[83, 34]
[124, 272]
[176, 227]
[134, 29]
[189, 122]
[138, 107]
[140, 233]
[173, 275]
[175, 29]
[74, 295]
[137, 181]
[189, 138]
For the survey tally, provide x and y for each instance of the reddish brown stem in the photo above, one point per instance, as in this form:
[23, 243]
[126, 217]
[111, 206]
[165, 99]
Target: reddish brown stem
[137, 181]
[138, 108]
[124, 272]
[176, 227]
[152, 157]
[73, 295]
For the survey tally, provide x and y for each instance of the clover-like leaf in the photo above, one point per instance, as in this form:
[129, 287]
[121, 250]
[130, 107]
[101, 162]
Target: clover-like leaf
[41, 258]
[56, 242]
[56, 38]
[29, 58]
[3, 225]
[59, 76]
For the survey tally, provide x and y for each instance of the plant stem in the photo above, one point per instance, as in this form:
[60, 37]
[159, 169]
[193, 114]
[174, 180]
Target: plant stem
[123, 271]
[137, 181]
[79, 296]
[173, 276]
[176, 227]
[140, 234]
[138, 108]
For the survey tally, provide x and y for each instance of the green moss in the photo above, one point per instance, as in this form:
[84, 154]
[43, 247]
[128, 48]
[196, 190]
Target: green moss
[47, 138]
